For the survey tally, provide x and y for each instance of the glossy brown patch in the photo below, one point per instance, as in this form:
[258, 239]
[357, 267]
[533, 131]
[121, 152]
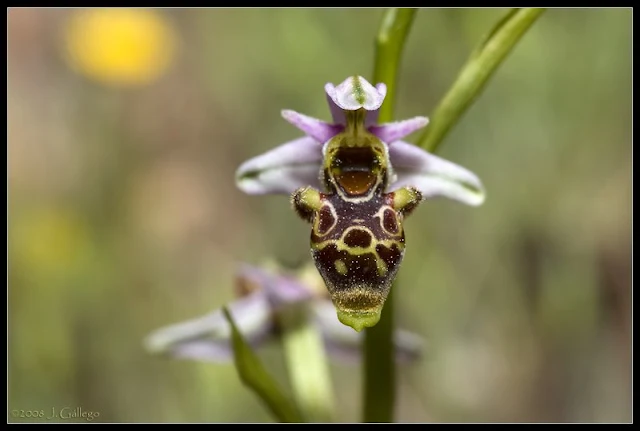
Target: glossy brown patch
[325, 220]
[355, 169]
[356, 183]
[356, 158]
[390, 222]
[358, 238]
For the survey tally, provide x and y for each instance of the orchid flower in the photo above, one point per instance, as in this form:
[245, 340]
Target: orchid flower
[298, 163]
[355, 181]
[261, 297]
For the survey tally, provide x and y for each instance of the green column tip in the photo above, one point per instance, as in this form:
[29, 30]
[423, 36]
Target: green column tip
[359, 320]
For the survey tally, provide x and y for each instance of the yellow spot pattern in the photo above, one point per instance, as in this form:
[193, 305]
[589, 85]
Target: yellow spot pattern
[341, 267]
[381, 265]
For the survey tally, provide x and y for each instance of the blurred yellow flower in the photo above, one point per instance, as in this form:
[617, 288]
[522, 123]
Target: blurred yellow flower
[119, 46]
[49, 239]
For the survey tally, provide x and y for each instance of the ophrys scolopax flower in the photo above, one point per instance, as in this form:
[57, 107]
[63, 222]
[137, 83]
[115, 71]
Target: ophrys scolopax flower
[355, 181]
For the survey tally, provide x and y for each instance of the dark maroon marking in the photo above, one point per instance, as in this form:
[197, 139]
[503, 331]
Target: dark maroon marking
[362, 270]
[358, 238]
[391, 256]
[325, 220]
[362, 287]
[390, 222]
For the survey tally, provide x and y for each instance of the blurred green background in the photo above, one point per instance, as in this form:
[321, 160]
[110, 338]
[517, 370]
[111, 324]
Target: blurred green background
[124, 216]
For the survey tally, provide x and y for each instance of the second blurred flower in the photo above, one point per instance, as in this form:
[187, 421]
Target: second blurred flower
[262, 297]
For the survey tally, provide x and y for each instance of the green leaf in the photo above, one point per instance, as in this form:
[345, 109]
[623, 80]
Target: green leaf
[379, 371]
[255, 376]
[480, 66]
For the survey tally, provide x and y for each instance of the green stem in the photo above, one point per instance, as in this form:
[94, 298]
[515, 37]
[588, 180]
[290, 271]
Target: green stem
[389, 43]
[379, 371]
[480, 66]
[307, 365]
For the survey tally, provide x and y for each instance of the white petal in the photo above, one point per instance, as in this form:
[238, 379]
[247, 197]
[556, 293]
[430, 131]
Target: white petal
[282, 170]
[209, 335]
[356, 92]
[433, 176]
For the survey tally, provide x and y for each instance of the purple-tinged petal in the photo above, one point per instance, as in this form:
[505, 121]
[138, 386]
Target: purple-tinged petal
[382, 89]
[209, 336]
[216, 350]
[319, 130]
[279, 290]
[345, 345]
[282, 170]
[354, 93]
[337, 114]
[389, 132]
[204, 350]
[433, 176]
